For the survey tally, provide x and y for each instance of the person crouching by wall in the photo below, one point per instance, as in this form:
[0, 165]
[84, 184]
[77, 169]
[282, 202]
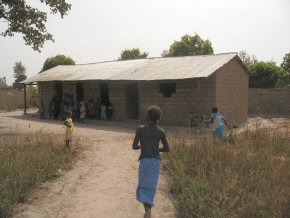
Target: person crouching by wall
[149, 136]
[69, 128]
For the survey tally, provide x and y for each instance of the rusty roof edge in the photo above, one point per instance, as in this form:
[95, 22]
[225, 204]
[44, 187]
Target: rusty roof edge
[30, 80]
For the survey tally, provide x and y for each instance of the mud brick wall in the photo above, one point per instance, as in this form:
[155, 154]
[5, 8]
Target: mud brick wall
[118, 99]
[269, 102]
[232, 92]
[197, 94]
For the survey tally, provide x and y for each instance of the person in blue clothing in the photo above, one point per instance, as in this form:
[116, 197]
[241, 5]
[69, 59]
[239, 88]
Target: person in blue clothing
[218, 121]
[149, 136]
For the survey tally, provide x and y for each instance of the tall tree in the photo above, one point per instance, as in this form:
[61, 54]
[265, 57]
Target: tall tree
[22, 18]
[57, 60]
[286, 63]
[19, 74]
[133, 53]
[247, 59]
[264, 74]
[284, 81]
[188, 46]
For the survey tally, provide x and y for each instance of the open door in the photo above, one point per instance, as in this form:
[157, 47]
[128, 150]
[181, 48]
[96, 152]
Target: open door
[104, 91]
[57, 99]
[80, 91]
[132, 101]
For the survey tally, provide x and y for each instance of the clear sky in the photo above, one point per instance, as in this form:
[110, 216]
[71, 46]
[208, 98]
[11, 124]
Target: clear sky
[98, 30]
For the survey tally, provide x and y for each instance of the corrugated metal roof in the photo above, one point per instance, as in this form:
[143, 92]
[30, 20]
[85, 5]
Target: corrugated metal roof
[172, 68]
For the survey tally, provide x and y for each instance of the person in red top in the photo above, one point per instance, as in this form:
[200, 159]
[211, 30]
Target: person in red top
[149, 136]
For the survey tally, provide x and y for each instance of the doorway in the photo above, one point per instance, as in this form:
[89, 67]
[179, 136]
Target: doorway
[57, 99]
[132, 101]
[79, 96]
[104, 93]
[79, 91]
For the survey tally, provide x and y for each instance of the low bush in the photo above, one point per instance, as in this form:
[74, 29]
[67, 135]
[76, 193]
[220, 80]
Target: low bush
[247, 178]
[25, 161]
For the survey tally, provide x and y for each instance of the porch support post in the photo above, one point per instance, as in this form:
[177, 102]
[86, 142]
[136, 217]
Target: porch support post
[139, 102]
[24, 85]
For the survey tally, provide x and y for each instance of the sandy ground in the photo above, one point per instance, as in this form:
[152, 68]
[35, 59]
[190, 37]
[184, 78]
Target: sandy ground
[102, 182]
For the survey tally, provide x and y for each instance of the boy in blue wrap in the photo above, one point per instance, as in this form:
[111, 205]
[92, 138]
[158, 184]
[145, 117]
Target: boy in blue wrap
[219, 122]
[149, 137]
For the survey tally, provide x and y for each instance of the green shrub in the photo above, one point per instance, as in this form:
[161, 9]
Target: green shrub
[214, 178]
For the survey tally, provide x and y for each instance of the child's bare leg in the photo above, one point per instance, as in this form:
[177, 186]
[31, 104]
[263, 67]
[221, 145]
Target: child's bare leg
[147, 208]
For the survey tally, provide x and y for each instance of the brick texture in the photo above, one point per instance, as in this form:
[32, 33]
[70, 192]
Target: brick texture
[232, 92]
[269, 102]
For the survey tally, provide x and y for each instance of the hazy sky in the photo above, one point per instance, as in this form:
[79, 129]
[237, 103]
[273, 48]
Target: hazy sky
[98, 30]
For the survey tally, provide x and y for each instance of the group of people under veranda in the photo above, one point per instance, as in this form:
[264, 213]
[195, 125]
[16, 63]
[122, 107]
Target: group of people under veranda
[147, 139]
[81, 110]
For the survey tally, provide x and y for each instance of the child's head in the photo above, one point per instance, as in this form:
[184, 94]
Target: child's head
[214, 110]
[154, 113]
[69, 114]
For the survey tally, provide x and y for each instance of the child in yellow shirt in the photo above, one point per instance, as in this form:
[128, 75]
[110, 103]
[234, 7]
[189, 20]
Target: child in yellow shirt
[69, 128]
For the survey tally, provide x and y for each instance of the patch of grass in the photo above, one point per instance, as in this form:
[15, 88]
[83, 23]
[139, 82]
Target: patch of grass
[25, 161]
[12, 99]
[250, 178]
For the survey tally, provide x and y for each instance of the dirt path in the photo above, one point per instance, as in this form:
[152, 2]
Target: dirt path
[100, 184]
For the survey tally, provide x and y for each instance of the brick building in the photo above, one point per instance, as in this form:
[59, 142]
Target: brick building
[184, 87]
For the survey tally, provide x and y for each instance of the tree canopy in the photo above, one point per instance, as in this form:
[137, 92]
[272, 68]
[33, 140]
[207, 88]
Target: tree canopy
[134, 53]
[188, 46]
[57, 60]
[22, 18]
[284, 81]
[19, 74]
[286, 63]
[247, 59]
[264, 74]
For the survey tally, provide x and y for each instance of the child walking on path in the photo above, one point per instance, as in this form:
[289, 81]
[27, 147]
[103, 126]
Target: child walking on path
[69, 128]
[149, 137]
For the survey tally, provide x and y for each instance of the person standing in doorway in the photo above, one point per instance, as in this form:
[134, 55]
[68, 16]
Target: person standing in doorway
[103, 112]
[110, 110]
[98, 108]
[149, 137]
[82, 110]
